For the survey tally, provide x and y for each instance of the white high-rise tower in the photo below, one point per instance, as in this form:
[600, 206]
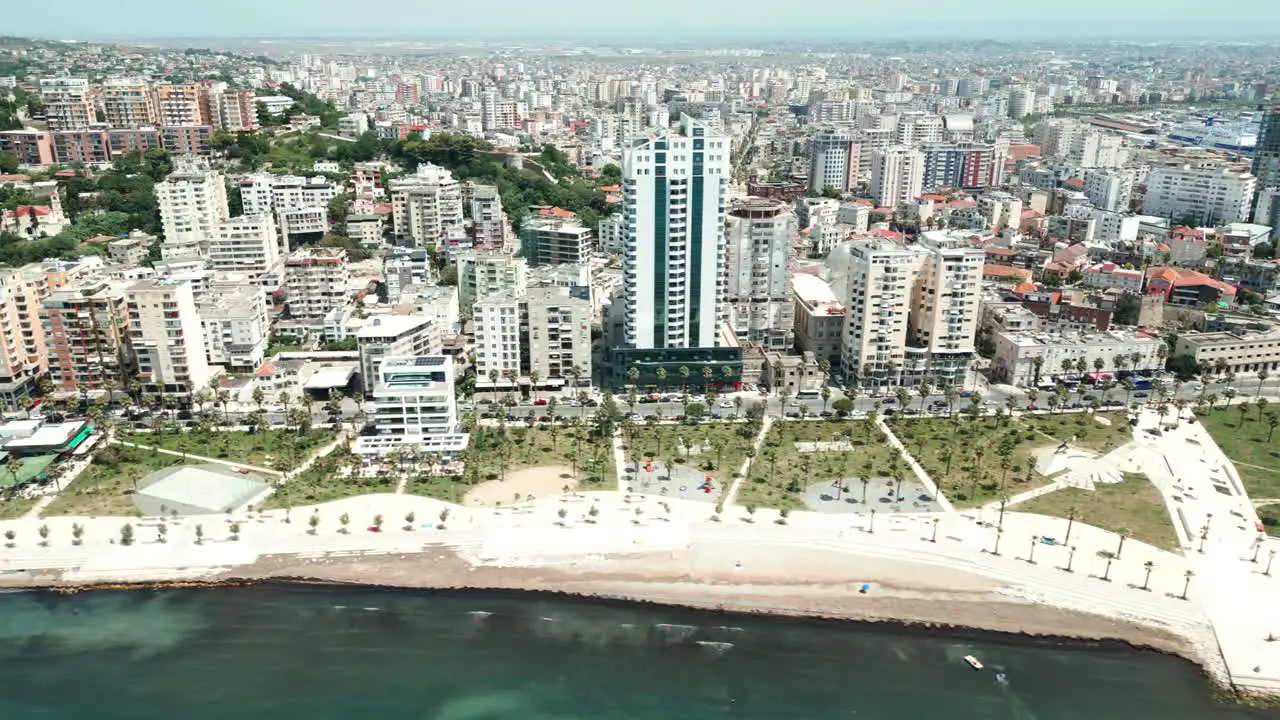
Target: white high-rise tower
[674, 213]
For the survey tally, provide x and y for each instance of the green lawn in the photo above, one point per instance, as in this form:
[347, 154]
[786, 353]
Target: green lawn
[781, 472]
[577, 448]
[715, 448]
[13, 506]
[449, 488]
[325, 481]
[1133, 507]
[1257, 460]
[1083, 430]
[277, 449]
[106, 487]
[963, 456]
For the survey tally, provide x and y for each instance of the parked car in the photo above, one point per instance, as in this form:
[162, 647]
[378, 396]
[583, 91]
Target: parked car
[724, 404]
[1141, 395]
[540, 401]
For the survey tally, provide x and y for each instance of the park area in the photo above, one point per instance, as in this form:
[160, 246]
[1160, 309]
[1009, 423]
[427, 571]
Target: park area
[1132, 507]
[974, 460]
[1246, 440]
[782, 474]
[494, 452]
[1083, 430]
[281, 449]
[107, 486]
[715, 449]
[330, 478]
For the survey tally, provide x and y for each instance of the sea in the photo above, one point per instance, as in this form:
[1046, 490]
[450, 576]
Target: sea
[289, 652]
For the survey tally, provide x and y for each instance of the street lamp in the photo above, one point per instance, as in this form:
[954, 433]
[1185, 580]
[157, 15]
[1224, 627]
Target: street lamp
[1271, 555]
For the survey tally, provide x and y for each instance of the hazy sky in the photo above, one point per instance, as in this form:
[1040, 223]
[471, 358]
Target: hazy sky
[644, 19]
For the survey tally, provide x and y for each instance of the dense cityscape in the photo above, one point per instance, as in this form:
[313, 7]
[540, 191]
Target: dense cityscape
[999, 285]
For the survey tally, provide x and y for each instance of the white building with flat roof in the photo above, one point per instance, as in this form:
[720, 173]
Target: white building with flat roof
[193, 203]
[1017, 353]
[415, 408]
[387, 335]
[246, 244]
[167, 339]
[236, 330]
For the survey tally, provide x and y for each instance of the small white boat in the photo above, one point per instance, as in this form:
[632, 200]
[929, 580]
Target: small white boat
[973, 662]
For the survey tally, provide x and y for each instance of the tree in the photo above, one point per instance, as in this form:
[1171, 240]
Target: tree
[126, 534]
[314, 522]
[234, 529]
[1146, 582]
[344, 520]
[44, 535]
[9, 535]
[77, 533]
[8, 163]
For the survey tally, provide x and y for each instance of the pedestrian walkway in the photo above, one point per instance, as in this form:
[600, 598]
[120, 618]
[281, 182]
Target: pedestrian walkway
[916, 468]
[732, 495]
[201, 458]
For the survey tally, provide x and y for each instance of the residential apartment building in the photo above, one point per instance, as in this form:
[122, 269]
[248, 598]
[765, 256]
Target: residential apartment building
[1109, 190]
[912, 313]
[23, 354]
[897, 175]
[1110, 275]
[180, 104]
[758, 301]
[87, 334]
[316, 281]
[555, 241]
[489, 226]
[67, 103]
[543, 333]
[1018, 352]
[128, 103]
[265, 193]
[425, 206]
[167, 337]
[415, 408]
[302, 226]
[1199, 195]
[1242, 351]
[187, 139]
[485, 273]
[236, 111]
[612, 235]
[391, 335]
[944, 310]
[193, 203]
[246, 244]
[834, 160]
[30, 147]
[235, 325]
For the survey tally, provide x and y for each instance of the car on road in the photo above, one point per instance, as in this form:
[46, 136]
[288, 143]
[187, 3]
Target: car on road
[1141, 395]
[725, 404]
[888, 401]
[540, 401]
[966, 393]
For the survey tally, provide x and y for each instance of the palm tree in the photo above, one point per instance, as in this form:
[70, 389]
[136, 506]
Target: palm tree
[951, 394]
[1037, 363]
[1032, 395]
[1272, 421]
[707, 375]
[826, 397]
[534, 378]
[1261, 404]
[344, 520]
[1146, 582]
[1186, 585]
[77, 533]
[1067, 366]
[684, 373]
[902, 395]
[661, 374]
[737, 406]
[924, 389]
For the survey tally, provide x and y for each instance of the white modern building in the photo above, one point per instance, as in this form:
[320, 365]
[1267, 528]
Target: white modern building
[68, 103]
[193, 203]
[389, 335]
[612, 235]
[235, 326]
[674, 211]
[1109, 189]
[1017, 353]
[266, 193]
[911, 312]
[542, 333]
[758, 272]
[1199, 195]
[425, 206]
[248, 245]
[489, 225]
[415, 409]
[485, 273]
[167, 339]
[897, 175]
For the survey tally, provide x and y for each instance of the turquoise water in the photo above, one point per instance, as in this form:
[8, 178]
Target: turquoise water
[309, 653]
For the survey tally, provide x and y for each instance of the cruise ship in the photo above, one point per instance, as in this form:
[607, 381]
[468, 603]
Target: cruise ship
[1234, 135]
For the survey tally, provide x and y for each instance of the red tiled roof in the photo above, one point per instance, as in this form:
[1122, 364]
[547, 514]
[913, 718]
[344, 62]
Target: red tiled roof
[556, 212]
[25, 210]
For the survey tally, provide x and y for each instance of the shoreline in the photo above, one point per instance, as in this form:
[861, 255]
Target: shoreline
[977, 614]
